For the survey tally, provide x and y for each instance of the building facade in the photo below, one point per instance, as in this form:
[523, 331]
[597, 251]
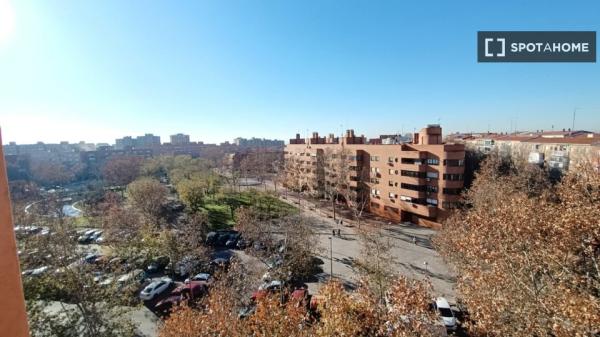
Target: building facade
[419, 182]
[561, 150]
[180, 139]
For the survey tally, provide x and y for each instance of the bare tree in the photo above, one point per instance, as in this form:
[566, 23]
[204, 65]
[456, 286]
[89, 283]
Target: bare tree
[147, 196]
[121, 171]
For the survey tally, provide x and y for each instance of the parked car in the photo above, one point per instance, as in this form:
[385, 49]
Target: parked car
[199, 277]
[246, 312]
[443, 308]
[35, 272]
[155, 288]
[219, 262]
[274, 262]
[193, 288]
[187, 265]
[223, 238]
[92, 258]
[107, 281]
[242, 244]
[163, 307]
[266, 288]
[158, 264]
[137, 274]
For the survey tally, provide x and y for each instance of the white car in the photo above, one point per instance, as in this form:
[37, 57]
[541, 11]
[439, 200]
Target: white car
[199, 277]
[137, 274]
[155, 288]
[443, 308]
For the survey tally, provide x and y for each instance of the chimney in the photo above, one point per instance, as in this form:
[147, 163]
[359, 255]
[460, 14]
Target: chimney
[416, 138]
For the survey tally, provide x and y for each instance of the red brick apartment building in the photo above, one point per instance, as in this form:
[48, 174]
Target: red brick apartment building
[418, 181]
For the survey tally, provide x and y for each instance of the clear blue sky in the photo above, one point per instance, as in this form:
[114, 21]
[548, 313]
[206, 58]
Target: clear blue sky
[97, 70]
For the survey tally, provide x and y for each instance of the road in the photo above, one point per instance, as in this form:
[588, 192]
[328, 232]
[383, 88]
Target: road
[416, 260]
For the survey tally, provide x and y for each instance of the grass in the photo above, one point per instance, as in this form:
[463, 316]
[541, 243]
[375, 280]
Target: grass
[219, 212]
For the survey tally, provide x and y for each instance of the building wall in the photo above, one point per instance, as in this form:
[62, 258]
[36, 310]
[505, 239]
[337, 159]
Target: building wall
[554, 150]
[13, 318]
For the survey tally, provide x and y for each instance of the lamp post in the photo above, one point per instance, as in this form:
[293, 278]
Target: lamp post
[330, 257]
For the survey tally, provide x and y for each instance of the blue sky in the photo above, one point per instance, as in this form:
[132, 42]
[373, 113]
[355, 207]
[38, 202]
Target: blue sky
[97, 70]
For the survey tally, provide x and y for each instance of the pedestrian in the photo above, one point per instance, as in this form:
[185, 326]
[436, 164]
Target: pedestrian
[333, 232]
[339, 232]
[414, 240]
[341, 222]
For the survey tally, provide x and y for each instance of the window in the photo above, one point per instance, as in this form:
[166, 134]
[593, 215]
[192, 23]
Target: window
[452, 191]
[393, 195]
[432, 201]
[390, 183]
[453, 177]
[454, 162]
[390, 159]
[375, 191]
[405, 198]
[412, 187]
[374, 158]
[374, 205]
[413, 174]
[449, 205]
[432, 189]
[433, 175]
[433, 161]
[390, 171]
[411, 161]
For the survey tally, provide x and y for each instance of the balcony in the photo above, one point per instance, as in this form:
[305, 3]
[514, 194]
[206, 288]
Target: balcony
[413, 180]
[413, 167]
[413, 194]
[422, 210]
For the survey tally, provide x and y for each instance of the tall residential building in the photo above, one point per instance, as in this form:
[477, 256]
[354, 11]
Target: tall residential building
[141, 142]
[418, 181]
[180, 139]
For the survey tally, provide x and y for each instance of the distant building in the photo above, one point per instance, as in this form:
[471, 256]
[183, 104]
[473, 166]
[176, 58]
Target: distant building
[180, 139]
[258, 142]
[142, 142]
[560, 150]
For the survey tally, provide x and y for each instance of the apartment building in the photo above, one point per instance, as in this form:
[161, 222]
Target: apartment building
[562, 150]
[418, 181]
[180, 139]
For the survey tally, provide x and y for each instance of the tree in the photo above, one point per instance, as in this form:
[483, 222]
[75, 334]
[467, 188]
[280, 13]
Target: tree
[56, 304]
[49, 173]
[336, 175]
[299, 249]
[527, 252]
[192, 192]
[120, 171]
[376, 260]
[147, 196]
[340, 313]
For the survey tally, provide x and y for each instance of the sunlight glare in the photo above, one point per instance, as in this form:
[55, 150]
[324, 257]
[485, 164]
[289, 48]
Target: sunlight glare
[7, 20]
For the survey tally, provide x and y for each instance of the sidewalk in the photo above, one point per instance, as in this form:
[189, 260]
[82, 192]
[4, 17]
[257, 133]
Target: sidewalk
[413, 251]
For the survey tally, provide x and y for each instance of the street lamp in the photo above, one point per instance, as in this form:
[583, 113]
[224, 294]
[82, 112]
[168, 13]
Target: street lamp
[330, 258]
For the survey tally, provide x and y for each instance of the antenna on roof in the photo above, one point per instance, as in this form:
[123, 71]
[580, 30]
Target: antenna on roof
[574, 113]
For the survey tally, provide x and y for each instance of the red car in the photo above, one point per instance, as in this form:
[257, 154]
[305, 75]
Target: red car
[192, 289]
[187, 291]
